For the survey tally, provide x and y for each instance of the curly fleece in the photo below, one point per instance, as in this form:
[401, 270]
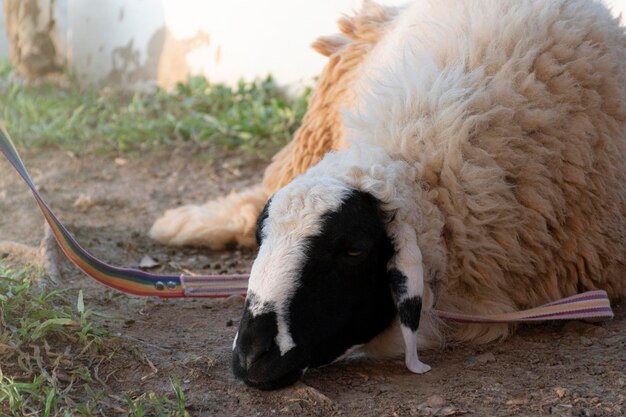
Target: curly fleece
[507, 120]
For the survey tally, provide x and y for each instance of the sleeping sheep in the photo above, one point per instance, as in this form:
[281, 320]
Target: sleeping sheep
[485, 173]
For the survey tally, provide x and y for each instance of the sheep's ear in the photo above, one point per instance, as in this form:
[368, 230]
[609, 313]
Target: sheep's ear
[406, 279]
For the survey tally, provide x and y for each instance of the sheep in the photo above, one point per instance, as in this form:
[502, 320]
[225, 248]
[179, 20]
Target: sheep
[232, 219]
[485, 173]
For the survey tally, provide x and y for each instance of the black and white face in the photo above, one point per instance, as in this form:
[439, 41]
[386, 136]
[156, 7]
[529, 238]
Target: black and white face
[319, 285]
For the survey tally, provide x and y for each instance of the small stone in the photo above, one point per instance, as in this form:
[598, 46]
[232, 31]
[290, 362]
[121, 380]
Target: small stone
[148, 262]
[84, 202]
[229, 323]
[560, 392]
[120, 162]
[519, 400]
[233, 300]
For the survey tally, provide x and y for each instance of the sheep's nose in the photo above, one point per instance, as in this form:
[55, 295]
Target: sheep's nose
[255, 338]
[249, 353]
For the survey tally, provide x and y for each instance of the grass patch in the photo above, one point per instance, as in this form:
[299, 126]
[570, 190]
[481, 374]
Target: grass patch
[50, 353]
[254, 117]
[47, 348]
[151, 404]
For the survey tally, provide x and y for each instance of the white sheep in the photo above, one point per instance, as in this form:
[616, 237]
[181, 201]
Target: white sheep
[486, 173]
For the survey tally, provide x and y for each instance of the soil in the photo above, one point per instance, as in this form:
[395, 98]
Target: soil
[564, 369]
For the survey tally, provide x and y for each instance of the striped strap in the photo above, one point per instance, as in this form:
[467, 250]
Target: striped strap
[129, 280]
[591, 305]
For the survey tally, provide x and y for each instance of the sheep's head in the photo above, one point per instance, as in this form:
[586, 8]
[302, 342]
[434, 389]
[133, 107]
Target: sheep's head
[321, 283]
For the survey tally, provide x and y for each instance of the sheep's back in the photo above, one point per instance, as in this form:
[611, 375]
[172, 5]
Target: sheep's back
[515, 113]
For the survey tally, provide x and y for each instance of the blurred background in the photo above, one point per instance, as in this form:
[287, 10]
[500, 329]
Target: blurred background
[130, 42]
[129, 74]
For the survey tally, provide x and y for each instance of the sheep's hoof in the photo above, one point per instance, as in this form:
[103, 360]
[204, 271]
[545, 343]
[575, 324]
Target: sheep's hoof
[418, 367]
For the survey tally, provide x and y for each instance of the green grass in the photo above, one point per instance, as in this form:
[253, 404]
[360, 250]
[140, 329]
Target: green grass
[49, 349]
[151, 404]
[33, 322]
[255, 116]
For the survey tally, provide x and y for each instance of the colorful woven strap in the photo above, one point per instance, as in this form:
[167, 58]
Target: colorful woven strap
[129, 280]
[591, 305]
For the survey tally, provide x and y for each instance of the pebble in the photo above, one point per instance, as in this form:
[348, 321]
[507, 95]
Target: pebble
[84, 202]
[560, 392]
[519, 400]
[147, 262]
[233, 300]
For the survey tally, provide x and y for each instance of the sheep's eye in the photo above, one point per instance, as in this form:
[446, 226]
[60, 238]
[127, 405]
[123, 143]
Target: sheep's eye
[354, 253]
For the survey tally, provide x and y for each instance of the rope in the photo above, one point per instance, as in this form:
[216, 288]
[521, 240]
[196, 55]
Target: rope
[591, 305]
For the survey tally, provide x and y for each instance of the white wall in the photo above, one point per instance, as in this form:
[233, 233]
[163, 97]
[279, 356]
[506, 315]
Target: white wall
[136, 41]
[255, 37]
[131, 42]
[109, 40]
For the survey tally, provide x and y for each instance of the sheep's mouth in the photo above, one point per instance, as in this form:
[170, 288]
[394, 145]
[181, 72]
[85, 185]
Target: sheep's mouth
[272, 371]
[282, 382]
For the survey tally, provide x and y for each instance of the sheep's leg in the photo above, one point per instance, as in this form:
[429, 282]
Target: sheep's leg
[232, 219]
[215, 224]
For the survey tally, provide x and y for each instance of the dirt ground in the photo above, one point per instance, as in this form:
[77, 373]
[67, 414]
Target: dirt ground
[568, 369]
